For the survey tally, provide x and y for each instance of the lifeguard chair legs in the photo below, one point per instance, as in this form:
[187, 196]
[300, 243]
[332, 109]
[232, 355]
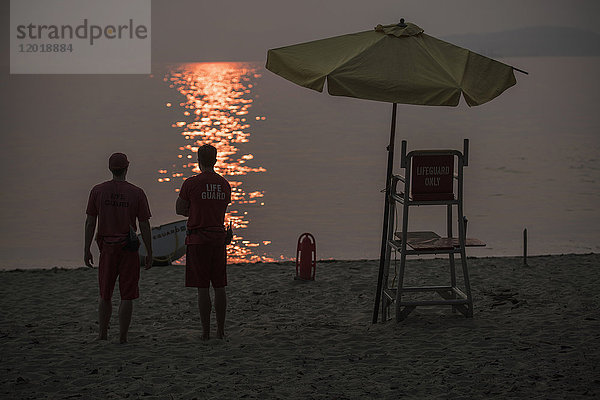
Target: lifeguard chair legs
[452, 295]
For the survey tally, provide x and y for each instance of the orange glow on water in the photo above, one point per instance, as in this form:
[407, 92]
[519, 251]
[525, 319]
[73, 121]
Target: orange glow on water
[218, 99]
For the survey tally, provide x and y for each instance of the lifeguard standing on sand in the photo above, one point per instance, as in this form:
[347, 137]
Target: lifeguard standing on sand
[203, 199]
[116, 204]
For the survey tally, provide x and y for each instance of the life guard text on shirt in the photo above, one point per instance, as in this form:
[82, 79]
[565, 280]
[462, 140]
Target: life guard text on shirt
[213, 192]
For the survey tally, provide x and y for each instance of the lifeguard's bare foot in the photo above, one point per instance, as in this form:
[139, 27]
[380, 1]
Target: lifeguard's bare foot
[221, 335]
[205, 337]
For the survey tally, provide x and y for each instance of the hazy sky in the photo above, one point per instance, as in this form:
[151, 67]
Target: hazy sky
[243, 30]
[199, 30]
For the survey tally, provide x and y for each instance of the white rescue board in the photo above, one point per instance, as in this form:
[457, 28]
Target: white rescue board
[168, 243]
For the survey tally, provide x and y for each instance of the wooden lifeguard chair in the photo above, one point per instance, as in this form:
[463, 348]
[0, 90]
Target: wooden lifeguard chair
[432, 178]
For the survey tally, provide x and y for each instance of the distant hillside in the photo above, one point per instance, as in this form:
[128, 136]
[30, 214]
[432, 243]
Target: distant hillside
[534, 41]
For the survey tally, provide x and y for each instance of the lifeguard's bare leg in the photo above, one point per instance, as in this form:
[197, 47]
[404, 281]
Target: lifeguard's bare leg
[204, 306]
[104, 312]
[125, 311]
[220, 310]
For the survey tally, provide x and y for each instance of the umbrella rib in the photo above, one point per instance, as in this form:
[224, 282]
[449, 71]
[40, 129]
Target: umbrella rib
[441, 65]
[358, 54]
[519, 70]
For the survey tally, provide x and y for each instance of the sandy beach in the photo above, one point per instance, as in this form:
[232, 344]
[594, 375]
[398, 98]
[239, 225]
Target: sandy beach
[535, 334]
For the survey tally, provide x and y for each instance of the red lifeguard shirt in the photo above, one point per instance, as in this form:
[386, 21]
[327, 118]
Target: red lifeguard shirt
[117, 205]
[208, 195]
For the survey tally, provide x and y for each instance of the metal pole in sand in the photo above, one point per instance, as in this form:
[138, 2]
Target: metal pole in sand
[525, 246]
[386, 212]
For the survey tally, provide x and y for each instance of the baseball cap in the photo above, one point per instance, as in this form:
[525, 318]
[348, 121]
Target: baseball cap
[118, 161]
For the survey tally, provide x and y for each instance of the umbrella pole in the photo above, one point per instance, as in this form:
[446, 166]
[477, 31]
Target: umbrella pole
[386, 212]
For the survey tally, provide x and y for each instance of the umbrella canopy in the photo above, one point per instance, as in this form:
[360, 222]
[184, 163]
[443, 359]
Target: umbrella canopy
[394, 63]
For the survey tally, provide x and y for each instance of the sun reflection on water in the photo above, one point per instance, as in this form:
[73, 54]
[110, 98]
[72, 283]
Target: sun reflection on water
[215, 111]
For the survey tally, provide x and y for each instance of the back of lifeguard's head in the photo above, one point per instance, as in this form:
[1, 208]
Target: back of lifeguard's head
[207, 156]
[118, 164]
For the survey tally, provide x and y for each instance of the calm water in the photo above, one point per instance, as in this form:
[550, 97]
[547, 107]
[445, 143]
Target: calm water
[299, 161]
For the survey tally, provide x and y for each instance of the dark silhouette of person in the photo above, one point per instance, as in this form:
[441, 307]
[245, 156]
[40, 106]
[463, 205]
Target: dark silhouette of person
[204, 198]
[115, 205]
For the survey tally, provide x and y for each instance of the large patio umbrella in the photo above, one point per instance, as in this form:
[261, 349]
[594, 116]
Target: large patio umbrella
[397, 64]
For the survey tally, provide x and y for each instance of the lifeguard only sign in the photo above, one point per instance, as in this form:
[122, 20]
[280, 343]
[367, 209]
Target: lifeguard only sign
[432, 177]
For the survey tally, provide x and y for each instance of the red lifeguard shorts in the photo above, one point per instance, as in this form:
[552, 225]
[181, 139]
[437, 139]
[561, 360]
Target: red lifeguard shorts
[206, 264]
[114, 261]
